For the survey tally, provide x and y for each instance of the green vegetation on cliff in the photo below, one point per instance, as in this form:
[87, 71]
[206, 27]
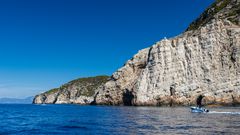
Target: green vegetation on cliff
[230, 9]
[52, 91]
[84, 86]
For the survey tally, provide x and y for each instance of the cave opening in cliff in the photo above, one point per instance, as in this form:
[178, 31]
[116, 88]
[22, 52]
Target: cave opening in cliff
[128, 98]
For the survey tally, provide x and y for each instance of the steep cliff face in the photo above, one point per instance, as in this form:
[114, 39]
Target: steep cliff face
[205, 60]
[80, 91]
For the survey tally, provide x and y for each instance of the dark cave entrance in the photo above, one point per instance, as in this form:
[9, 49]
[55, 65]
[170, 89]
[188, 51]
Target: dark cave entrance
[128, 98]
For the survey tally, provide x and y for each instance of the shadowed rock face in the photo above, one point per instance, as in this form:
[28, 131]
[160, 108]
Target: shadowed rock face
[80, 91]
[204, 60]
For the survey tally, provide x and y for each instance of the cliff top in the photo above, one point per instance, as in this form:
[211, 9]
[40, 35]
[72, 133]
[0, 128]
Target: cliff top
[91, 82]
[220, 9]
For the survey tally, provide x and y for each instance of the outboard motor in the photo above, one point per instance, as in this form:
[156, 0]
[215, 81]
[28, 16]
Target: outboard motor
[206, 110]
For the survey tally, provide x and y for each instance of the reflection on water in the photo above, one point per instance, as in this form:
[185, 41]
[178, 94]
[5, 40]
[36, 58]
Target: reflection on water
[74, 119]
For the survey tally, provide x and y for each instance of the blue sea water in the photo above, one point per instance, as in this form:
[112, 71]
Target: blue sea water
[76, 119]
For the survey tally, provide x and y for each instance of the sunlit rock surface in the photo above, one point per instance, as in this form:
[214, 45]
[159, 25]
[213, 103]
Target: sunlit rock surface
[79, 91]
[204, 60]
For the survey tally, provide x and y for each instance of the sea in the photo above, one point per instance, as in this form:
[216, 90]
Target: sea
[30, 119]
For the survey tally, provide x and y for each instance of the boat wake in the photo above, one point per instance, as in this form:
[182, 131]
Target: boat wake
[215, 112]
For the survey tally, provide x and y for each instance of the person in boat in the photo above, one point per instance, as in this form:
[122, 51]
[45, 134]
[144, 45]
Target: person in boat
[199, 107]
[199, 101]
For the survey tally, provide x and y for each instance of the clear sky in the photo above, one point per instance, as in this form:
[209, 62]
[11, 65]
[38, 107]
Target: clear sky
[45, 43]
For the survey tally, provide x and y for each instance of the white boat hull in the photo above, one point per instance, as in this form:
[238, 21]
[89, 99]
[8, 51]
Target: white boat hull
[199, 110]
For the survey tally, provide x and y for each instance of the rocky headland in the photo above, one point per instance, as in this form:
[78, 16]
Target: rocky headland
[204, 60]
[79, 91]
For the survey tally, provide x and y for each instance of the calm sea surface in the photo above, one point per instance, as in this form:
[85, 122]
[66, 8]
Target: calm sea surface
[75, 119]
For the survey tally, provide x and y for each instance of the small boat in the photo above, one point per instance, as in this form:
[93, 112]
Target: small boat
[199, 110]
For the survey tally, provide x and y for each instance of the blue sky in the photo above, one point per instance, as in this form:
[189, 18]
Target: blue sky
[45, 43]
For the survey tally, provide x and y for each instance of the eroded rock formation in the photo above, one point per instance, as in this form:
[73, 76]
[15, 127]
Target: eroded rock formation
[203, 60]
[79, 91]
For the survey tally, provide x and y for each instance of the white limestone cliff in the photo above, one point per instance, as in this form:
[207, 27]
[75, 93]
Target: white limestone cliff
[204, 60]
[175, 71]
